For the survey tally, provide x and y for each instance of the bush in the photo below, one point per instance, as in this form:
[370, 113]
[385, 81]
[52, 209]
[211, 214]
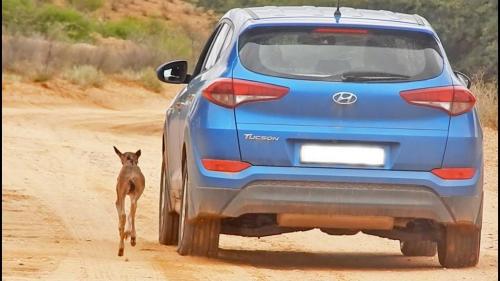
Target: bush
[108, 57]
[41, 75]
[36, 73]
[487, 100]
[149, 80]
[85, 75]
[146, 77]
[164, 41]
[123, 28]
[169, 42]
[74, 24]
[26, 17]
[58, 38]
[17, 15]
[131, 75]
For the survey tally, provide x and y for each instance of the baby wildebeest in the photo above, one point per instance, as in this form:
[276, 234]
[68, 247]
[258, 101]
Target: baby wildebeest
[130, 181]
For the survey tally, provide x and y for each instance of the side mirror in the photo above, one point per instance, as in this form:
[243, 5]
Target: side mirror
[466, 81]
[174, 72]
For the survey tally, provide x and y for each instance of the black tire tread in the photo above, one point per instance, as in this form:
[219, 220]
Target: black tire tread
[460, 246]
[170, 234]
[201, 237]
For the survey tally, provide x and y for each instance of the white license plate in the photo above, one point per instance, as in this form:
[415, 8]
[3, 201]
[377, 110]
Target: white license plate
[343, 154]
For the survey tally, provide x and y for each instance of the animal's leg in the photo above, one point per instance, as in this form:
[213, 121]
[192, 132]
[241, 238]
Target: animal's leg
[120, 207]
[128, 229]
[133, 207]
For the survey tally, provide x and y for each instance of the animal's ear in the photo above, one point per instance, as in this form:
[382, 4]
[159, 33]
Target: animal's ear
[138, 153]
[117, 152]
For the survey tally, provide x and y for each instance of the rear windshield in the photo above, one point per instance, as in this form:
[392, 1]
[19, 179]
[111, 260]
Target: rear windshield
[334, 54]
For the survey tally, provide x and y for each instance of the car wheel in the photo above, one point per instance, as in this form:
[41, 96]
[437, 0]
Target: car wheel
[200, 237]
[418, 248]
[168, 218]
[460, 246]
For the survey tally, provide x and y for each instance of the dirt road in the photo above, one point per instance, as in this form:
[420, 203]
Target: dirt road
[60, 222]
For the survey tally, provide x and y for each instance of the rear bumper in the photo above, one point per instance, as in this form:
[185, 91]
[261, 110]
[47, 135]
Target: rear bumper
[400, 194]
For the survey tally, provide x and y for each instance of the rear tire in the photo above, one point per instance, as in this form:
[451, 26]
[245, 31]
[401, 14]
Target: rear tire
[168, 219]
[200, 237]
[460, 246]
[418, 248]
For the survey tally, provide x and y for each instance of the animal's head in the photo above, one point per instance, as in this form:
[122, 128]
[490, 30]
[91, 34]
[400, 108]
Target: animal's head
[130, 158]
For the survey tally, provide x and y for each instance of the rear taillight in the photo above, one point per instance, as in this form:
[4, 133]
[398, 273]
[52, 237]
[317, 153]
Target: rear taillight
[224, 165]
[454, 173]
[230, 93]
[453, 99]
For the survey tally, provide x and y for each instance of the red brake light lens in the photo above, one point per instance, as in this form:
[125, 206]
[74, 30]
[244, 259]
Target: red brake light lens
[454, 173]
[341, 30]
[220, 92]
[455, 100]
[224, 165]
[230, 93]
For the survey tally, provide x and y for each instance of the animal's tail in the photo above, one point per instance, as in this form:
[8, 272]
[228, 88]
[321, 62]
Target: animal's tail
[131, 186]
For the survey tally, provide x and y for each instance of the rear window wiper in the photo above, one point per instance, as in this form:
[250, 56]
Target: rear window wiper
[362, 76]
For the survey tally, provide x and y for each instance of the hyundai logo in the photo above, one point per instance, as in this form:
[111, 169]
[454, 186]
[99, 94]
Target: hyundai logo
[345, 98]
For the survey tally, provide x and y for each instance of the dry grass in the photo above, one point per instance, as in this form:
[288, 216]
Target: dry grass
[130, 75]
[39, 60]
[145, 77]
[109, 56]
[85, 76]
[41, 76]
[487, 100]
[32, 72]
[150, 81]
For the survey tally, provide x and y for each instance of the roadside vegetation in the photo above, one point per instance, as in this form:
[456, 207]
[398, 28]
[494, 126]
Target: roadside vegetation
[72, 40]
[487, 100]
[84, 76]
[41, 40]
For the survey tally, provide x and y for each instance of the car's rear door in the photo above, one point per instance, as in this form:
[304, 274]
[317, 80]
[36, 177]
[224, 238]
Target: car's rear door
[327, 113]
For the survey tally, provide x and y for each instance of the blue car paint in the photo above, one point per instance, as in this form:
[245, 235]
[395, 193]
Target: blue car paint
[205, 130]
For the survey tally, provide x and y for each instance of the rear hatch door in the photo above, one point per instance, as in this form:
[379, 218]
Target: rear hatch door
[344, 96]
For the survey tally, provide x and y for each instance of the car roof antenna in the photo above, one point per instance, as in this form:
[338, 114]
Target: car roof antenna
[337, 12]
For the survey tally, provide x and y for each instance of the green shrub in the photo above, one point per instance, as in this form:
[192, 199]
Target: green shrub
[85, 75]
[123, 28]
[163, 40]
[166, 41]
[87, 5]
[27, 17]
[74, 24]
[17, 15]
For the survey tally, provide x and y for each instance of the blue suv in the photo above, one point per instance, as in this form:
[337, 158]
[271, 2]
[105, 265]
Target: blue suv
[297, 118]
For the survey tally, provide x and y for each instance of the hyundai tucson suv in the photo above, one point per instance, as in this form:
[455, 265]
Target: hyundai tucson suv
[297, 118]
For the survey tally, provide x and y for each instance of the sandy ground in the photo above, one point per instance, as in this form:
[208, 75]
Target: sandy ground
[59, 220]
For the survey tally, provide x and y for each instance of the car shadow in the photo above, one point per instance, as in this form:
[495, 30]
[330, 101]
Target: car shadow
[337, 261]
